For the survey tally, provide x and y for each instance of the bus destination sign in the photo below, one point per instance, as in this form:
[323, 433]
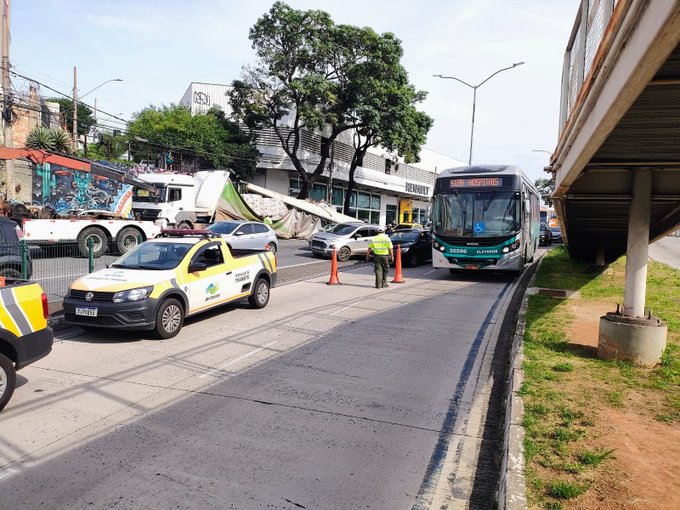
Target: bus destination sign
[476, 182]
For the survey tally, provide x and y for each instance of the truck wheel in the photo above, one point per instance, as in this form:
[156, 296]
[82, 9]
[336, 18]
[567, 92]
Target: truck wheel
[169, 318]
[8, 380]
[98, 241]
[343, 254]
[11, 273]
[127, 239]
[260, 296]
[184, 225]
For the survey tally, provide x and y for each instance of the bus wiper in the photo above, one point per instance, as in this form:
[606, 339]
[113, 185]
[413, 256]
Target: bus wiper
[487, 204]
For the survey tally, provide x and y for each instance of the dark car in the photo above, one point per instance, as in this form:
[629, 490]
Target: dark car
[416, 246]
[10, 250]
[545, 237]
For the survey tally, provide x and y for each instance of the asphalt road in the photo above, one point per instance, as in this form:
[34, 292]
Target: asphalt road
[331, 397]
[666, 250]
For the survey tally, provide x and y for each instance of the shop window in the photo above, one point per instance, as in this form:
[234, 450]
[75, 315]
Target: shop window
[390, 213]
[318, 192]
[338, 196]
[364, 215]
[375, 202]
[375, 217]
[364, 200]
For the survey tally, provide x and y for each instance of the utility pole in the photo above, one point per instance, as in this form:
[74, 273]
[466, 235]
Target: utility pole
[7, 100]
[75, 108]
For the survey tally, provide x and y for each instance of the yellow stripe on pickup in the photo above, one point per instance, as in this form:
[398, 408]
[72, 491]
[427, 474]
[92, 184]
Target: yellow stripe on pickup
[29, 299]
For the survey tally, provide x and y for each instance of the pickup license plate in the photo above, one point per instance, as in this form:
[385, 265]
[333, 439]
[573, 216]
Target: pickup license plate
[470, 266]
[86, 311]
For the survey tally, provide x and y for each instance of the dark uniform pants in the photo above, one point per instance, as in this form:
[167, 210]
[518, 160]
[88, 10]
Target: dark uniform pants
[381, 267]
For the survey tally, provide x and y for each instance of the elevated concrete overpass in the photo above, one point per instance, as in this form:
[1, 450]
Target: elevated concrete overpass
[617, 161]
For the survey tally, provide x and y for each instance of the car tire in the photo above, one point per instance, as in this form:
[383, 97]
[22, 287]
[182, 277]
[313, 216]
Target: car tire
[260, 295]
[344, 254]
[272, 248]
[11, 273]
[413, 259]
[169, 318]
[127, 239]
[8, 380]
[99, 241]
[185, 225]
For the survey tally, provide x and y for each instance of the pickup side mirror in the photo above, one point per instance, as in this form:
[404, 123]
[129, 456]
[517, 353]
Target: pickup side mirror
[197, 267]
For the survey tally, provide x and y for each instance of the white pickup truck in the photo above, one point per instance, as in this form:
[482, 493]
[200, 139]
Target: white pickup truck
[122, 234]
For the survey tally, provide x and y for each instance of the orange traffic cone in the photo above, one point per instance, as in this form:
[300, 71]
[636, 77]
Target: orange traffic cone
[334, 270]
[398, 277]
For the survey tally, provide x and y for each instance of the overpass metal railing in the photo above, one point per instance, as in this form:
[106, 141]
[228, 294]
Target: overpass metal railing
[589, 30]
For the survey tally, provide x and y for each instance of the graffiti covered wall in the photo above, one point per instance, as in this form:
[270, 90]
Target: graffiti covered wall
[67, 190]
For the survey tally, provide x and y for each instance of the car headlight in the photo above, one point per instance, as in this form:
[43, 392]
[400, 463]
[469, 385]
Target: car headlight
[132, 294]
[404, 249]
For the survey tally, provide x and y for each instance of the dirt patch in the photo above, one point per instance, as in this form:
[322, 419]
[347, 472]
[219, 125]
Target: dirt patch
[644, 470]
[585, 328]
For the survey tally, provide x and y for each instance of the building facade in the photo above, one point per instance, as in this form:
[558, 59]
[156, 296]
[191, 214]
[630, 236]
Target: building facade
[384, 191]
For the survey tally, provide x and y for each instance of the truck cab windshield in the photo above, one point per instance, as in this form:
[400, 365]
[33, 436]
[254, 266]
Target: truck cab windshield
[144, 195]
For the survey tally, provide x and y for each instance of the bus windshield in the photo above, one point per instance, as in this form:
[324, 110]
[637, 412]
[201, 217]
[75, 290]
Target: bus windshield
[477, 214]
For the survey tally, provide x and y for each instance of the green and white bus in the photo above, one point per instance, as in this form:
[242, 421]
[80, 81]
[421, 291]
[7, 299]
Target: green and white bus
[484, 217]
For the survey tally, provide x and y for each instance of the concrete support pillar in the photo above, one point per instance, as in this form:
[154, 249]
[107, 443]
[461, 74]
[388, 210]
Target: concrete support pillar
[638, 245]
[629, 336]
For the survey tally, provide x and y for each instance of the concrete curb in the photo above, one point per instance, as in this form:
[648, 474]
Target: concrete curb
[512, 490]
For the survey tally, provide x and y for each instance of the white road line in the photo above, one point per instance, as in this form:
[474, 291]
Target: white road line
[347, 307]
[429, 272]
[6, 473]
[302, 264]
[236, 360]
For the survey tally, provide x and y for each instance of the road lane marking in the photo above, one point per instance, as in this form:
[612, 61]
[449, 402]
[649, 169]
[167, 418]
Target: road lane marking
[429, 272]
[236, 360]
[6, 473]
[302, 264]
[346, 308]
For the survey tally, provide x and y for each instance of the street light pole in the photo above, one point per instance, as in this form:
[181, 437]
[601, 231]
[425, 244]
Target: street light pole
[77, 99]
[474, 97]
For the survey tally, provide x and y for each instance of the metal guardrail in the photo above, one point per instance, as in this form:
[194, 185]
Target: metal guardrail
[53, 266]
[589, 30]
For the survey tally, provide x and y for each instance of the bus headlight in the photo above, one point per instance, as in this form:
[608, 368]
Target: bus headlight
[512, 247]
[436, 245]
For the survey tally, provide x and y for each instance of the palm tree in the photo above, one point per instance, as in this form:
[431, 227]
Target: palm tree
[50, 140]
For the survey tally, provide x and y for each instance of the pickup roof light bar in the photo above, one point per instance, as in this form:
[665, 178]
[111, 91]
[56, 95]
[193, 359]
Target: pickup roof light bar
[186, 232]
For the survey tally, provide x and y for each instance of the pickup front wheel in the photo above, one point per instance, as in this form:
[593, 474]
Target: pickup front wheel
[260, 296]
[8, 380]
[169, 318]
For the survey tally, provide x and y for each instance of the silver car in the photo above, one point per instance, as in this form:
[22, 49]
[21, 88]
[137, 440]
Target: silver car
[347, 238]
[246, 235]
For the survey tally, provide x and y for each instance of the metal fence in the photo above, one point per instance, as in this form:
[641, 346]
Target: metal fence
[53, 266]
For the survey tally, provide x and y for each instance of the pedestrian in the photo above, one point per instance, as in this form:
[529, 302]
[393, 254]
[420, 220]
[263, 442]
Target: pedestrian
[383, 254]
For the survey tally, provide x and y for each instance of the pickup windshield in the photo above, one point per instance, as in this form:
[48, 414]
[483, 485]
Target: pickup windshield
[154, 256]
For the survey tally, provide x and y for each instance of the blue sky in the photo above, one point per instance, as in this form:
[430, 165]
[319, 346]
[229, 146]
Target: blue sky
[159, 46]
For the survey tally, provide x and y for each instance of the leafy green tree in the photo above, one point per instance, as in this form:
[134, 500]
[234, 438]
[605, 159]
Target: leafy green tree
[110, 147]
[85, 117]
[210, 140]
[306, 79]
[50, 140]
[546, 187]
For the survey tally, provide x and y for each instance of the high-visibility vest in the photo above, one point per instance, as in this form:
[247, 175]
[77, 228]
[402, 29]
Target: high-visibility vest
[381, 244]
